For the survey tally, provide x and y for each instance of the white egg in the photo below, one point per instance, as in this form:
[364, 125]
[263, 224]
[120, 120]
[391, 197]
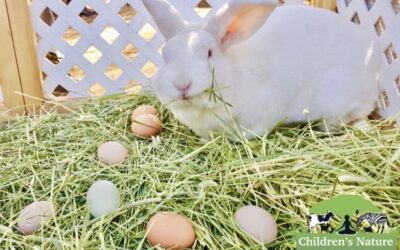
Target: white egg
[258, 223]
[102, 198]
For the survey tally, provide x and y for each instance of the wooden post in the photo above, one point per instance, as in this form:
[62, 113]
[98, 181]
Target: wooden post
[326, 4]
[20, 76]
[9, 78]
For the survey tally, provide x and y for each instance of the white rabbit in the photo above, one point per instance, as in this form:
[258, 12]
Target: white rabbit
[271, 64]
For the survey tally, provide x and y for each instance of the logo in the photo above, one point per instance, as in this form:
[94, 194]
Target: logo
[347, 222]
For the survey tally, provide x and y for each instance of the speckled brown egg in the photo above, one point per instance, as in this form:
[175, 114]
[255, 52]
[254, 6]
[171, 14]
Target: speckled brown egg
[170, 231]
[144, 109]
[146, 126]
[258, 223]
[112, 153]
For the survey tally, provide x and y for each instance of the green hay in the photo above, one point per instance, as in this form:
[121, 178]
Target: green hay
[53, 157]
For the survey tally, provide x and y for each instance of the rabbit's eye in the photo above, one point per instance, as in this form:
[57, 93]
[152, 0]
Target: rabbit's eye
[210, 53]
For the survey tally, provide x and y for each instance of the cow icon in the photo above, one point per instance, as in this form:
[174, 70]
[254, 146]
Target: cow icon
[323, 221]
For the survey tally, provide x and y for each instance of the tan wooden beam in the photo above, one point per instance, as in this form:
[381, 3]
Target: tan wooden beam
[326, 4]
[23, 38]
[9, 76]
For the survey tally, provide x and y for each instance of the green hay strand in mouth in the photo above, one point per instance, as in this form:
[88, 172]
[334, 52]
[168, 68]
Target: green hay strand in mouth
[53, 157]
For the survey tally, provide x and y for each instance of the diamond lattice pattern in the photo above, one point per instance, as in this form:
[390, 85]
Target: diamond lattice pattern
[93, 48]
[382, 19]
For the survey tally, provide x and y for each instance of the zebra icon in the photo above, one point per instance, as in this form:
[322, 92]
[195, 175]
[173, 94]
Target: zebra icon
[372, 219]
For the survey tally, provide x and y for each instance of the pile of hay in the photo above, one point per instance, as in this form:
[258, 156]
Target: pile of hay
[53, 157]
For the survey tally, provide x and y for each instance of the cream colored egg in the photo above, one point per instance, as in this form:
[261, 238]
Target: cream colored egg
[146, 126]
[258, 223]
[144, 109]
[112, 153]
[170, 231]
[33, 216]
[102, 198]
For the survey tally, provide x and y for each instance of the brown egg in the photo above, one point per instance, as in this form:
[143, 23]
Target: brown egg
[112, 153]
[258, 223]
[170, 231]
[144, 109]
[146, 126]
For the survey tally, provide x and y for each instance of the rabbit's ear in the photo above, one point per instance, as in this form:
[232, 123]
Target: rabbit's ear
[166, 16]
[239, 19]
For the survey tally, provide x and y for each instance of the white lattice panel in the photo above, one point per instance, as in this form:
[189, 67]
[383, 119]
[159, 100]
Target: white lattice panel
[101, 47]
[382, 18]
[93, 47]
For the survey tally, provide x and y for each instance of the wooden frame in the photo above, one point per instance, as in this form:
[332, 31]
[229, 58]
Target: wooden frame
[20, 76]
[326, 4]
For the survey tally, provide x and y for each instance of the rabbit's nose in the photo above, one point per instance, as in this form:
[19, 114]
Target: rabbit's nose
[184, 88]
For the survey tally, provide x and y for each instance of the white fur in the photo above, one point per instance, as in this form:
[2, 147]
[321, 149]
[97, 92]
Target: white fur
[271, 64]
